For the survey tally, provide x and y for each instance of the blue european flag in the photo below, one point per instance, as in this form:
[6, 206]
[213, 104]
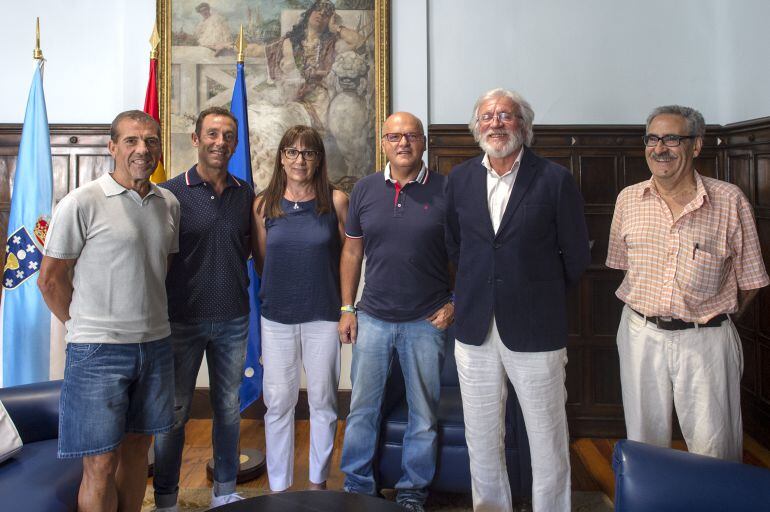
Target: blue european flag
[240, 166]
[26, 319]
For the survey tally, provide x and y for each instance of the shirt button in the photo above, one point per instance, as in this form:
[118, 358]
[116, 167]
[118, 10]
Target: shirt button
[212, 197]
[399, 205]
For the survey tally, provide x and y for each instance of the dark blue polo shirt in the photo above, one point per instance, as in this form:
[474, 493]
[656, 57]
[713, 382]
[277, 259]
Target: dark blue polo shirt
[403, 230]
[208, 280]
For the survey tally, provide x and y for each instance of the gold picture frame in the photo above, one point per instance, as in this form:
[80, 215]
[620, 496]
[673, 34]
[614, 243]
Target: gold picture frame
[189, 62]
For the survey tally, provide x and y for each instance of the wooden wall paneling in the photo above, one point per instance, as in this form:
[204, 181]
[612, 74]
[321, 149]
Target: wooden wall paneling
[635, 169]
[707, 164]
[574, 327]
[764, 373]
[762, 166]
[573, 384]
[749, 381]
[604, 307]
[563, 157]
[598, 177]
[67, 142]
[90, 165]
[745, 155]
[606, 389]
[598, 221]
[739, 172]
[7, 169]
[457, 145]
[60, 163]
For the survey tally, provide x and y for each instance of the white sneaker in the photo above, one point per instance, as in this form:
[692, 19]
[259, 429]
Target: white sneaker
[217, 501]
[173, 508]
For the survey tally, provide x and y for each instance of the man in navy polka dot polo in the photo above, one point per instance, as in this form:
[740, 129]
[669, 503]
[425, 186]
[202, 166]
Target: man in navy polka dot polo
[208, 303]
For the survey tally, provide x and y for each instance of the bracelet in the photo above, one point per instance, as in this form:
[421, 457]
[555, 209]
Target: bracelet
[348, 308]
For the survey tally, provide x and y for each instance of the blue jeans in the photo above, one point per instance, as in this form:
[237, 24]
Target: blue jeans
[420, 349]
[110, 389]
[225, 346]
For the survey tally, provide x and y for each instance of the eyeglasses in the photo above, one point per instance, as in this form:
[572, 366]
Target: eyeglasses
[410, 137]
[503, 117]
[670, 141]
[308, 154]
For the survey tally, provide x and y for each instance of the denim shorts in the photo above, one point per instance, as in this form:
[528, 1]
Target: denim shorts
[111, 389]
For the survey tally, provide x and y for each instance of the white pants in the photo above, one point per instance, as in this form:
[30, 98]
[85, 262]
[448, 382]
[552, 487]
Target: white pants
[317, 345]
[698, 369]
[538, 379]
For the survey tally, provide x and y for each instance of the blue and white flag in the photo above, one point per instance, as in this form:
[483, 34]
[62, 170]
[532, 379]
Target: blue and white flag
[26, 319]
[240, 166]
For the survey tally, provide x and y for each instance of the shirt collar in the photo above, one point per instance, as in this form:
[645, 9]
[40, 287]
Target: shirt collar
[701, 194]
[192, 178]
[110, 187]
[514, 167]
[422, 176]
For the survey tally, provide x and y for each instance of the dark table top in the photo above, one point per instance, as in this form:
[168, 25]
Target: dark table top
[311, 501]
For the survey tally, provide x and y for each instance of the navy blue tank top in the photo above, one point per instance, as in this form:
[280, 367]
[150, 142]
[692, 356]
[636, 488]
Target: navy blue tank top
[301, 276]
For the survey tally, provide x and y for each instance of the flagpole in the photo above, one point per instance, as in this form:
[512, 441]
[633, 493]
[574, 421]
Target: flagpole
[37, 53]
[240, 58]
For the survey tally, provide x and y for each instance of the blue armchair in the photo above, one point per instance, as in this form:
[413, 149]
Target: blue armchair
[453, 465]
[35, 480]
[665, 480]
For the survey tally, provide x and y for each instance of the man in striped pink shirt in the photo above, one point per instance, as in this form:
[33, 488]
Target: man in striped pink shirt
[688, 245]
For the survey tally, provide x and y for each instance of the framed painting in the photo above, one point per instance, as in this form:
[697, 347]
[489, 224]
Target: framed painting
[320, 63]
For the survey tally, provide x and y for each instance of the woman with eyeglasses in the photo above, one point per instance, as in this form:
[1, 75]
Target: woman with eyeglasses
[299, 224]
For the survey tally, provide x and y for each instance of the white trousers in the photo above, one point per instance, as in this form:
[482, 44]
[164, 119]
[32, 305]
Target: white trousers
[316, 346]
[698, 370]
[538, 379]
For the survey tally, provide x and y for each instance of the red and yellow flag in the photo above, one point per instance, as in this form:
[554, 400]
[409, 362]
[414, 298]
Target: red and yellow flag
[151, 107]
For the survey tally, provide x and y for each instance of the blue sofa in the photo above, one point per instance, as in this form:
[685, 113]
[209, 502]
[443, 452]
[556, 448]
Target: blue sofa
[35, 480]
[651, 478]
[453, 465]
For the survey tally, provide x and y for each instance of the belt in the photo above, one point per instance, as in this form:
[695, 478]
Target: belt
[675, 324]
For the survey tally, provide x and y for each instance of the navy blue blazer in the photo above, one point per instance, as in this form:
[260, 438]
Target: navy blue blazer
[520, 274]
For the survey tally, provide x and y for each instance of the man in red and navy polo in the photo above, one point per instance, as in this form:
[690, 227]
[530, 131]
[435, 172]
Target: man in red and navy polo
[396, 219]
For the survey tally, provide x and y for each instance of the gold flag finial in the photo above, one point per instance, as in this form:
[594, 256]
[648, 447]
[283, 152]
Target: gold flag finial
[240, 46]
[154, 42]
[37, 53]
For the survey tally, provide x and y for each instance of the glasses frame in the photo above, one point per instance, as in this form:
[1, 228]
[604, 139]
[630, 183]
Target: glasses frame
[670, 140]
[497, 116]
[305, 152]
[411, 137]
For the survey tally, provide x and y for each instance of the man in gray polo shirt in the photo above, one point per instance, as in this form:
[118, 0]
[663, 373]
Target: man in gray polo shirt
[103, 275]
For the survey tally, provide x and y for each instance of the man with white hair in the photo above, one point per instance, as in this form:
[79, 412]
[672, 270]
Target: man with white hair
[516, 231]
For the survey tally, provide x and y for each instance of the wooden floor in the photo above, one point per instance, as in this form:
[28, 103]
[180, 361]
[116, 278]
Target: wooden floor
[590, 458]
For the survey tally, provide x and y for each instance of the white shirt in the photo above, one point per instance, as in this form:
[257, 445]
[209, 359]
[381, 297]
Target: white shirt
[499, 188]
[121, 242]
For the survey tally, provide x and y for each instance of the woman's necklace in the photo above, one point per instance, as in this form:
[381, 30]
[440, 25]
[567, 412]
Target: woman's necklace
[299, 199]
